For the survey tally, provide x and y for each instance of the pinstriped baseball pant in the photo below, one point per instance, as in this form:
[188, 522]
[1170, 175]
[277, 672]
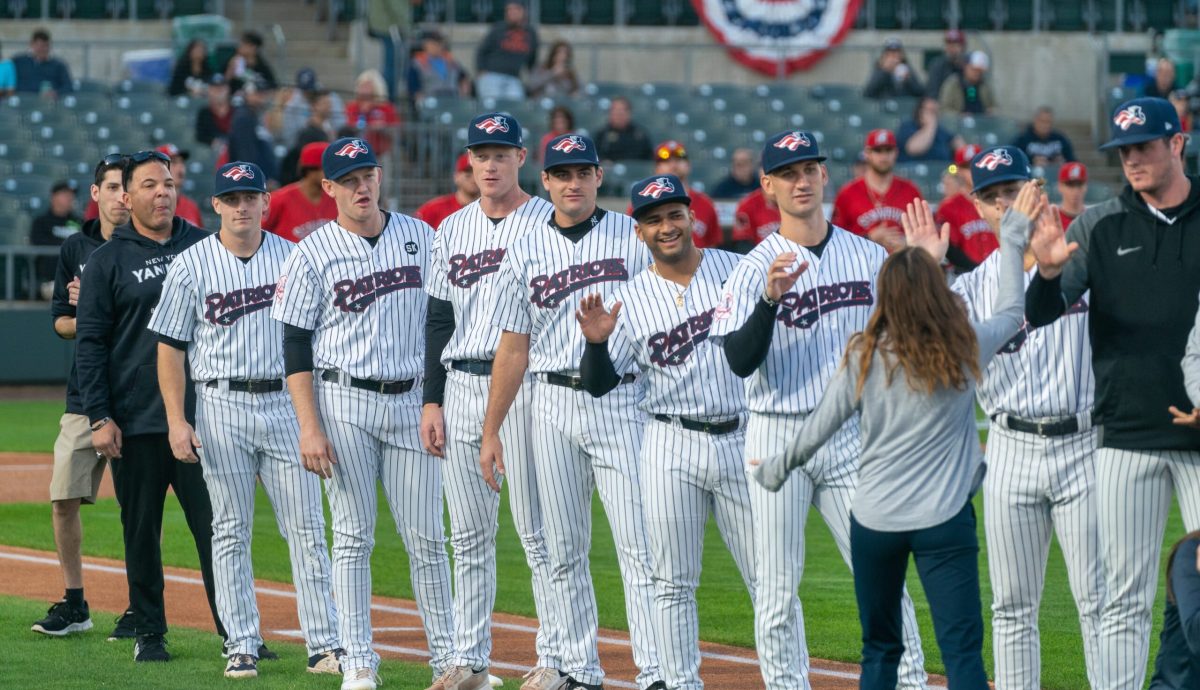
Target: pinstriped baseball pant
[1034, 485]
[248, 437]
[582, 444]
[375, 439]
[473, 513]
[827, 482]
[1133, 497]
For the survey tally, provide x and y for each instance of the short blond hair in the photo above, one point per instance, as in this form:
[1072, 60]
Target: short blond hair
[375, 79]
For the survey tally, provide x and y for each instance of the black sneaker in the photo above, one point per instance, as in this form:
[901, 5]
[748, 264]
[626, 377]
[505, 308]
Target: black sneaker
[241, 666]
[151, 648]
[62, 619]
[573, 684]
[124, 629]
[265, 654]
[657, 685]
[327, 662]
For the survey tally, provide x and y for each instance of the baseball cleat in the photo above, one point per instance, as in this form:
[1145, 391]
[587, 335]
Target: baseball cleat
[124, 627]
[361, 679]
[241, 666]
[62, 619]
[151, 648]
[495, 682]
[265, 654]
[327, 662]
[461, 678]
[542, 678]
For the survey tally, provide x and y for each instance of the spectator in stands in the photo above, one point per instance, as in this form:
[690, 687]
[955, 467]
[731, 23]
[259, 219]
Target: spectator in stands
[185, 207]
[1042, 143]
[37, 72]
[1162, 82]
[319, 128]
[433, 71]
[8, 77]
[294, 107]
[508, 47]
[755, 217]
[556, 77]
[671, 158]
[622, 139]
[923, 138]
[249, 139]
[742, 178]
[971, 238]
[384, 16]
[949, 64]
[562, 121]
[214, 120]
[51, 229]
[892, 76]
[1180, 99]
[248, 64]
[301, 207]
[969, 93]
[871, 206]
[371, 114]
[1072, 187]
[192, 71]
[465, 191]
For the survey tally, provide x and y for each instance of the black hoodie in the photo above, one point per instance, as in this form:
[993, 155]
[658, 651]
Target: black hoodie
[71, 259]
[1144, 274]
[116, 356]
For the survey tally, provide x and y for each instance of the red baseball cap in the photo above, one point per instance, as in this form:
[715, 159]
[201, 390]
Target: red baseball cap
[310, 155]
[966, 153]
[1072, 172]
[463, 163]
[172, 150]
[954, 36]
[880, 139]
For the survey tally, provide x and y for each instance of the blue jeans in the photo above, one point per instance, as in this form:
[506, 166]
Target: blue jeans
[947, 558]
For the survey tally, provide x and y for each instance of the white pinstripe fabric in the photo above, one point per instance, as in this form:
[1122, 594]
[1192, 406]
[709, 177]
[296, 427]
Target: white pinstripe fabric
[1133, 498]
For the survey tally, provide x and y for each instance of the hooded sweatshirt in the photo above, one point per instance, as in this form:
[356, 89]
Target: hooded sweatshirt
[72, 257]
[1143, 268]
[116, 356]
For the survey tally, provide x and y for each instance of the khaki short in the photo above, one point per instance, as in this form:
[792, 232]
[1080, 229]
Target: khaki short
[77, 470]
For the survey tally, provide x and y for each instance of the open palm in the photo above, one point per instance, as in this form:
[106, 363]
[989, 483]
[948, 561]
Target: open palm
[596, 322]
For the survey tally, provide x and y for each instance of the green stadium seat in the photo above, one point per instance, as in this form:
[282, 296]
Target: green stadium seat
[86, 100]
[54, 169]
[134, 86]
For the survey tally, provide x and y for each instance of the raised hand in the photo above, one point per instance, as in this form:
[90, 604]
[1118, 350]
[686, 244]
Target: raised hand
[1031, 201]
[921, 230]
[1049, 243]
[779, 278]
[596, 322]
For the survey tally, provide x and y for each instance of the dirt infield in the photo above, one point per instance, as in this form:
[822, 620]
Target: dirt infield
[25, 478]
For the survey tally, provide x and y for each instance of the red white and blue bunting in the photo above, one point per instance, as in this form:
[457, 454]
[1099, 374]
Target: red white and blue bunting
[765, 35]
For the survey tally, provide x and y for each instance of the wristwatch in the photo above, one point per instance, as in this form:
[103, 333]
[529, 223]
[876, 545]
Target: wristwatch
[99, 423]
[770, 302]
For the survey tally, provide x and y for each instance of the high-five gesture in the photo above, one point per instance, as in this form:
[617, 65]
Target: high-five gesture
[1049, 244]
[596, 322]
[779, 278]
[921, 230]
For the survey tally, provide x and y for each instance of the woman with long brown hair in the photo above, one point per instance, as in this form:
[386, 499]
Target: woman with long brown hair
[911, 377]
[1177, 666]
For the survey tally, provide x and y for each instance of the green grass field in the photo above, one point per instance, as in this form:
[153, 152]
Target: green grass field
[725, 612]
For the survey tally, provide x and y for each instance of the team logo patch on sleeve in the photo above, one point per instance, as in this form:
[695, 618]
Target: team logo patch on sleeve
[793, 141]
[1128, 117]
[493, 124]
[352, 149]
[571, 143]
[657, 188]
[994, 159]
[239, 172]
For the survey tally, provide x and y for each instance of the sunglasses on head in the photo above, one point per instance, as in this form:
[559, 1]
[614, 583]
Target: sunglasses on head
[113, 159]
[143, 156]
[665, 152]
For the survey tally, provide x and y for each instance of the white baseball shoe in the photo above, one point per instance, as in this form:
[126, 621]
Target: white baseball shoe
[542, 678]
[361, 679]
[461, 678]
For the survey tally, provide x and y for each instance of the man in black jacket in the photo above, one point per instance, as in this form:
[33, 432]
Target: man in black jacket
[1139, 254]
[116, 363]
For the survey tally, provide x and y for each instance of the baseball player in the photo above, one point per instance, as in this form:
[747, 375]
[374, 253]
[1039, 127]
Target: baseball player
[870, 206]
[818, 282]
[692, 450]
[1072, 187]
[1138, 256]
[459, 350]
[213, 311]
[466, 190]
[580, 443]
[671, 158]
[302, 206]
[1038, 392]
[971, 237]
[755, 218]
[351, 300]
[78, 468]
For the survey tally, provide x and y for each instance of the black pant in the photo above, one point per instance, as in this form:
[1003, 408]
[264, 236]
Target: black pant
[141, 477]
[947, 558]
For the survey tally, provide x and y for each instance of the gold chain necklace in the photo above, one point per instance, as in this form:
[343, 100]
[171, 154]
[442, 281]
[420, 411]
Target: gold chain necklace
[675, 286]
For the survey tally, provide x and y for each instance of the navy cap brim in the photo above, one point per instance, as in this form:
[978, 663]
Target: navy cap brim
[239, 188]
[493, 142]
[797, 159]
[558, 163]
[1134, 139]
[352, 167]
[643, 210]
[993, 181]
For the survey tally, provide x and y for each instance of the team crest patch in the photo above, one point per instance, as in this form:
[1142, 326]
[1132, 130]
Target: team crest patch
[279, 285]
[1128, 117]
[569, 144]
[994, 159]
[657, 188]
[239, 173]
[793, 141]
[352, 149]
[493, 124]
[766, 35]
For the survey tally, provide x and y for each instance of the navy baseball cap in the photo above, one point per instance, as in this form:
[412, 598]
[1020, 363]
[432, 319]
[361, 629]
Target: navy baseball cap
[495, 128]
[657, 190]
[570, 149]
[999, 164]
[1142, 119]
[347, 155]
[239, 177]
[789, 147]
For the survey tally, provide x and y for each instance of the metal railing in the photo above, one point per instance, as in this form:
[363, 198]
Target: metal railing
[14, 256]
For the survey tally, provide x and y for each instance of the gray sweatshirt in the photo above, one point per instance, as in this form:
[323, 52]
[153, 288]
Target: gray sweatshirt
[1191, 364]
[920, 457]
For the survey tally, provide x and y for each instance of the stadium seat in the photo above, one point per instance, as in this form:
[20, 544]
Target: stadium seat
[18, 150]
[54, 169]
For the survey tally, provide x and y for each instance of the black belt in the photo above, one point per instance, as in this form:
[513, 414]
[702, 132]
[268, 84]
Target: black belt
[1057, 427]
[259, 386]
[715, 428]
[384, 387]
[575, 383]
[478, 367]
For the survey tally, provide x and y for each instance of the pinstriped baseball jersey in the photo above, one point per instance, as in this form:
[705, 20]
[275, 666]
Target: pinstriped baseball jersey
[831, 301]
[670, 343]
[544, 276]
[221, 305]
[1043, 372]
[365, 304]
[467, 252]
